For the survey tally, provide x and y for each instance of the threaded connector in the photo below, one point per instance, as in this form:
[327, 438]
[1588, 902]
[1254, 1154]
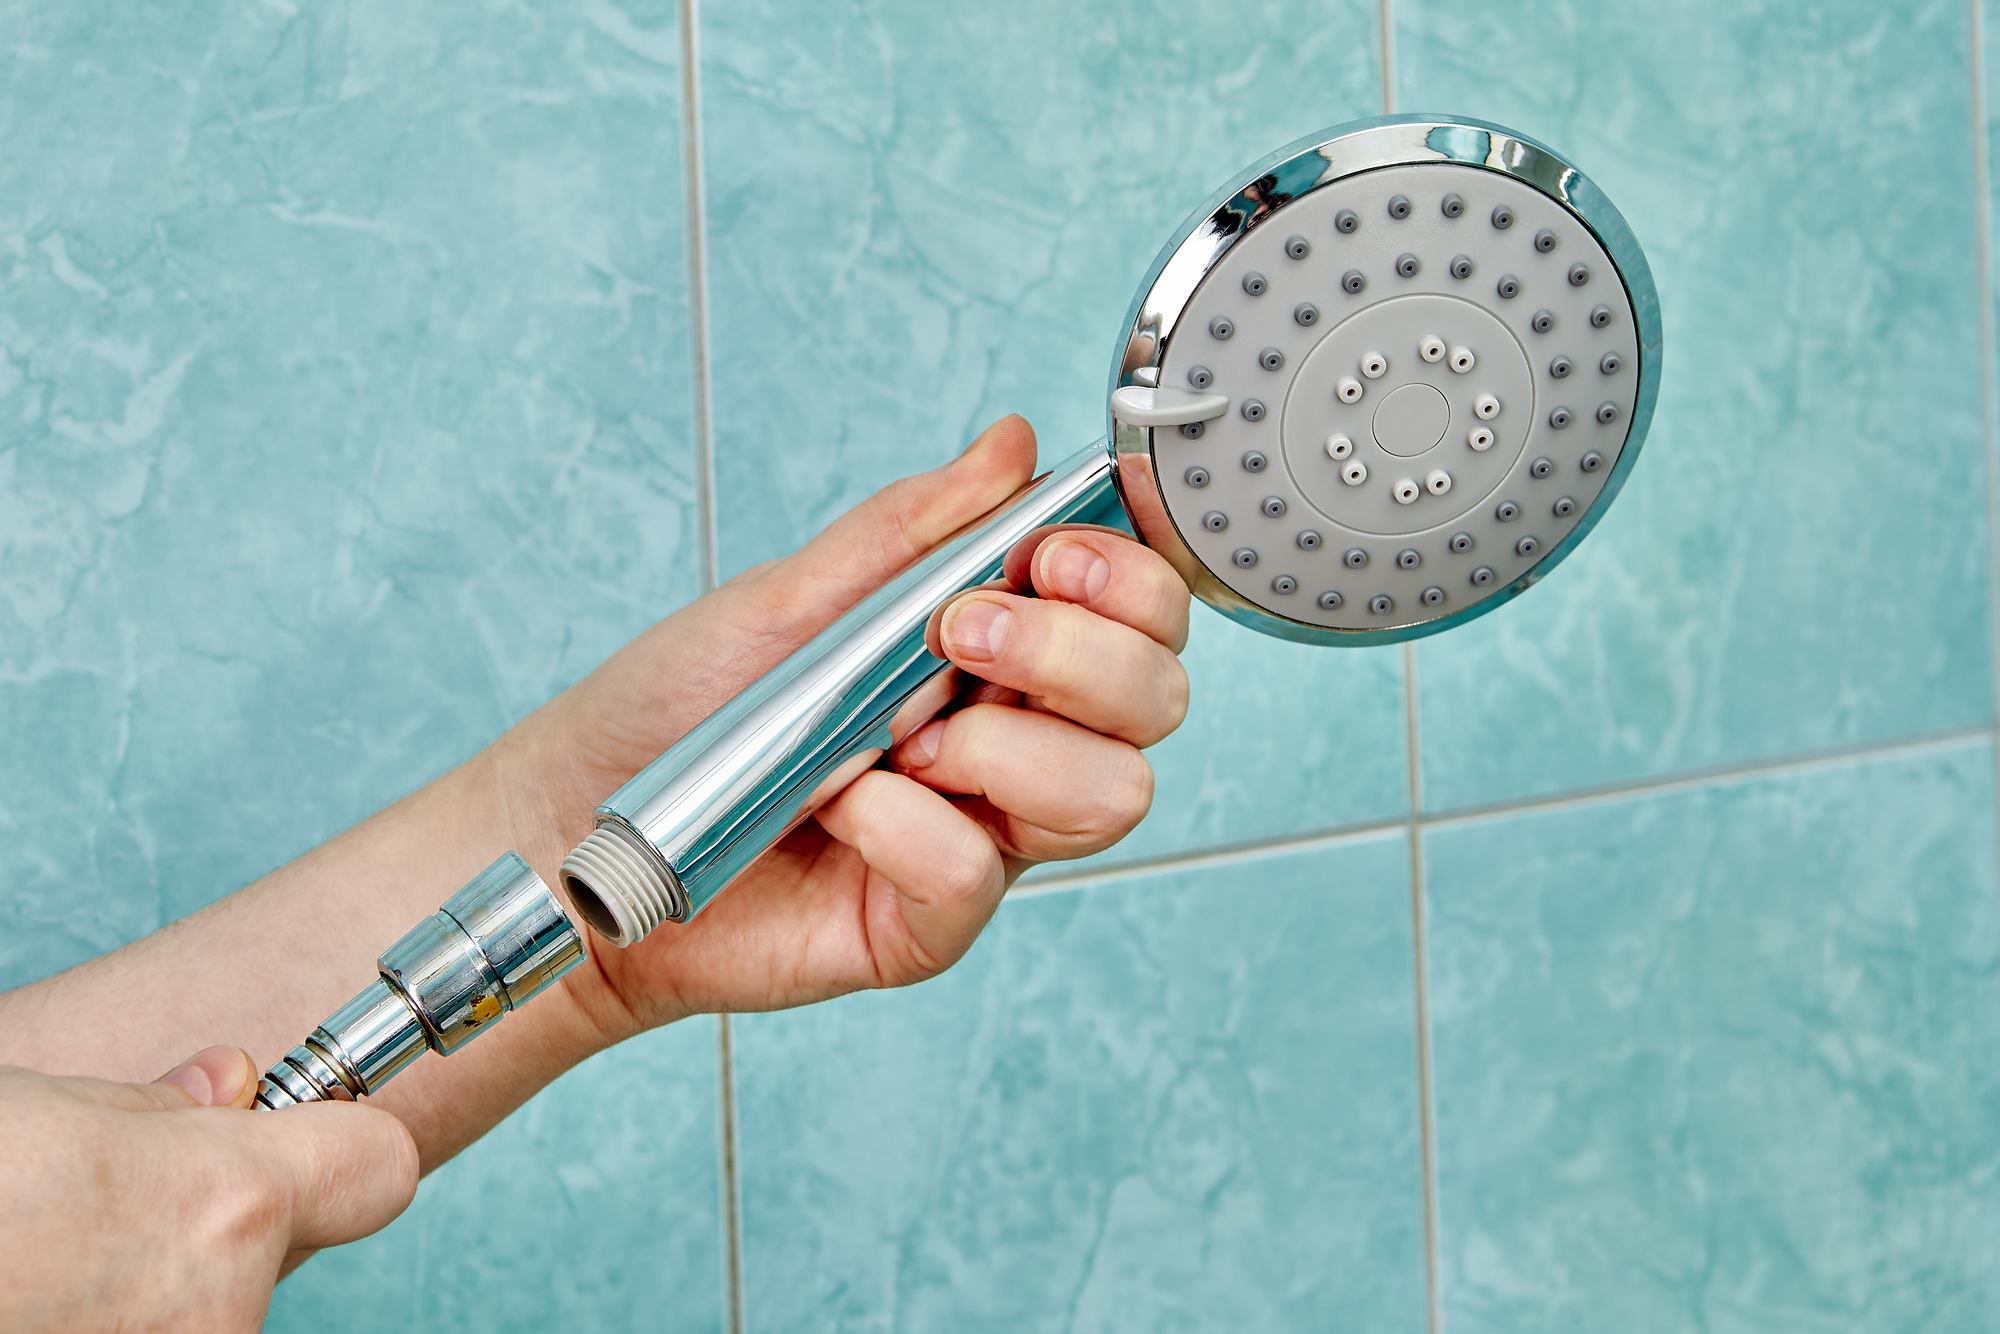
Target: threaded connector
[618, 888]
[362, 1046]
[307, 1074]
[494, 945]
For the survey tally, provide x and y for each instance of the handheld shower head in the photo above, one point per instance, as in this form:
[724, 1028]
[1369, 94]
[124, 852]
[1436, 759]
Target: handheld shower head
[1385, 380]
[1376, 386]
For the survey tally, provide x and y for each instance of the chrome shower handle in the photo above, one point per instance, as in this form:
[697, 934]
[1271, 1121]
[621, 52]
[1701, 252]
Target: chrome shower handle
[691, 821]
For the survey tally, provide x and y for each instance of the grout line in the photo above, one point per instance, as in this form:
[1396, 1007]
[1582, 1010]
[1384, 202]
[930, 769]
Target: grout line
[694, 207]
[1385, 17]
[694, 201]
[1214, 857]
[1989, 409]
[1413, 771]
[732, 1230]
[1211, 858]
[1420, 981]
[1718, 775]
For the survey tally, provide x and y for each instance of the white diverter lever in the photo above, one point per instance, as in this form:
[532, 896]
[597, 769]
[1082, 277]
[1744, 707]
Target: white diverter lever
[1137, 405]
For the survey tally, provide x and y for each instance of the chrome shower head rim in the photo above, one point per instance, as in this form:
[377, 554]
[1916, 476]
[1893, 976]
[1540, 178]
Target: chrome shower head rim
[1312, 164]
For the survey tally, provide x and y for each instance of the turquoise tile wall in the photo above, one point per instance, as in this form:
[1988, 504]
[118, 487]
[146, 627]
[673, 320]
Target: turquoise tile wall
[1173, 1102]
[1722, 1059]
[345, 414]
[1799, 560]
[343, 419]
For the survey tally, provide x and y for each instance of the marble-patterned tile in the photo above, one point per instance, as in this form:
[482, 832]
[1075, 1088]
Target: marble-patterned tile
[1721, 1058]
[1799, 559]
[921, 218]
[1178, 1102]
[343, 381]
[595, 1207]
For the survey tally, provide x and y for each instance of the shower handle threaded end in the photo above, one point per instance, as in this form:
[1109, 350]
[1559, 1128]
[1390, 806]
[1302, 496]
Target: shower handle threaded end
[495, 944]
[620, 884]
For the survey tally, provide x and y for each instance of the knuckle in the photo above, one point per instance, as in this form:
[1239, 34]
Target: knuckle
[970, 733]
[1137, 790]
[969, 875]
[1065, 651]
[398, 1157]
[1157, 598]
[1171, 703]
[1171, 610]
[1124, 796]
[245, 1205]
[407, 1169]
[904, 535]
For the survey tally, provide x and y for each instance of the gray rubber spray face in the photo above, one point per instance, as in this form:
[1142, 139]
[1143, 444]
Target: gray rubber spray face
[1414, 403]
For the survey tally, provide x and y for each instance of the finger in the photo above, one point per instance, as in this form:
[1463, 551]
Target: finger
[212, 1077]
[216, 1077]
[1110, 574]
[945, 873]
[345, 1169]
[879, 538]
[1107, 676]
[159, 1097]
[1061, 790]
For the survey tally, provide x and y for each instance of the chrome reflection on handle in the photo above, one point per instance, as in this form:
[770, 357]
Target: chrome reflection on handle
[671, 839]
[495, 944]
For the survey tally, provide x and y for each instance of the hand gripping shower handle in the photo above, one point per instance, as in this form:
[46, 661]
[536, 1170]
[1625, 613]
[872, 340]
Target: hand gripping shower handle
[671, 839]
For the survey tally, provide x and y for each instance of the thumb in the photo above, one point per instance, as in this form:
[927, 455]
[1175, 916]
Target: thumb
[877, 539]
[212, 1077]
[347, 1169]
[215, 1077]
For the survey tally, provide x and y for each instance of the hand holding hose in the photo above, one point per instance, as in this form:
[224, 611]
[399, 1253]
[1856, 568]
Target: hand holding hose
[166, 1206]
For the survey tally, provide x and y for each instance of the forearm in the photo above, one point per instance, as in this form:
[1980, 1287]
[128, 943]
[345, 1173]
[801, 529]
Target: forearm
[887, 885]
[261, 967]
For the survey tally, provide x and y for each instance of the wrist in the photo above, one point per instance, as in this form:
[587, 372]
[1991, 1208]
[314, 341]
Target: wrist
[533, 789]
[540, 783]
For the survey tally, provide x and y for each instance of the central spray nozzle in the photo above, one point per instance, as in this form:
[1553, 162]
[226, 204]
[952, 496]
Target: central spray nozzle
[496, 943]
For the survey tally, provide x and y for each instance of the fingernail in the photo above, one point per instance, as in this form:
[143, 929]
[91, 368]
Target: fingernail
[195, 1080]
[1076, 571]
[212, 1077]
[978, 629]
[920, 748]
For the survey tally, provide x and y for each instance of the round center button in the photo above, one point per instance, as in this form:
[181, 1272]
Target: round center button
[1417, 418]
[1411, 420]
